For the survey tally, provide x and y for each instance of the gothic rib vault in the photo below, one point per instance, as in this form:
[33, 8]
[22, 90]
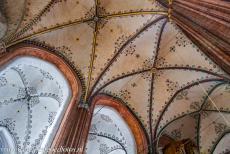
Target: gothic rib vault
[129, 50]
[33, 97]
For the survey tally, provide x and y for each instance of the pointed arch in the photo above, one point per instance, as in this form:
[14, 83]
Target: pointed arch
[62, 135]
[130, 119]
[218, 141]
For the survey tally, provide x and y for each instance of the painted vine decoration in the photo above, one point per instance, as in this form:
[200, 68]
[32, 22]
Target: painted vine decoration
[27, 97]
[152, 69]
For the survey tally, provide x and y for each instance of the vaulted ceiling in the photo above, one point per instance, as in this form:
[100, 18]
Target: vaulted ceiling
[32, 98]
[107, 121]
[128, 49]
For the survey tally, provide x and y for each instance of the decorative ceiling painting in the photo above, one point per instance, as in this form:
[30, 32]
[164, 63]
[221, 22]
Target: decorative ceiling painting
[107, 121]
[34, 95]
[126, 49]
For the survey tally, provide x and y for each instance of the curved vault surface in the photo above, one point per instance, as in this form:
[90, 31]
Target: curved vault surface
[6, 141]
[109, 133]
[133, 53]
[33, 98]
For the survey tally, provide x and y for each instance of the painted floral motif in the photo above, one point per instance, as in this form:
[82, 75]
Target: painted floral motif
[176, 134]
[33, 101]
[183, 95]
[29, 126]
[161, 61]
[125, 94]
[172, 49]
[66, 51]
[220, 128]
[204, 114]
[90, 13]
[9, 123]
[21, 93]
[3, 81]
[51, 95]
[172, 86]
[91, 137]
[51, 117]
[148, 63]
[35, 146]
[181, 40]
[104, 149]
[46, 74]
[208, 105]
[195, 106]
[109, 131]
[93, 128]
[146, 76]
[106, 118]
[120, 41]
[31, 90]
[130, 50]
[21, 74]
[133, 84]
[101, 10]
[28, 96]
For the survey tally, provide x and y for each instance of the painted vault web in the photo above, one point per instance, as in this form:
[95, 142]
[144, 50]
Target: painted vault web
[128, 49]
[109, 133]
[33, 98]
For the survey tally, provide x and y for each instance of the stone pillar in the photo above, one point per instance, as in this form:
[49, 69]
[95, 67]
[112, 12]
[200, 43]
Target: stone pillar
[207, 24]
[74, 135]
